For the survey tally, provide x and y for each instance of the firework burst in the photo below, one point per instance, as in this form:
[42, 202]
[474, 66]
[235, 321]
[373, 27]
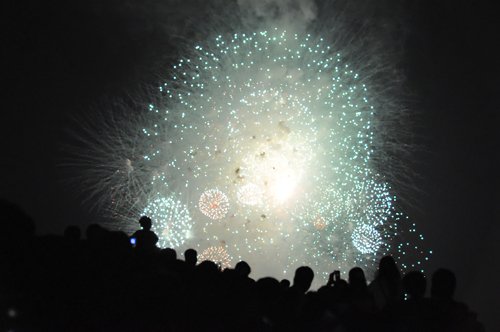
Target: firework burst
[171, 221]
[293, 131]
[214, 204]
[366, 239]
[292, 137]
[217, 255]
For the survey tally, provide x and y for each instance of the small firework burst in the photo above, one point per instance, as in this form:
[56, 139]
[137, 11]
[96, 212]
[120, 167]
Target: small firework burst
[218, 255]
[171, 221]
[320, 222]
[366, 239]
[214, 204]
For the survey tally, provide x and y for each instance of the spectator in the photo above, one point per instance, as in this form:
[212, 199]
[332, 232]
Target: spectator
[190, 257]
[302, 280]
[416, 313]
[360, 299]
[387, 287]
[145, 239]
[453, 315]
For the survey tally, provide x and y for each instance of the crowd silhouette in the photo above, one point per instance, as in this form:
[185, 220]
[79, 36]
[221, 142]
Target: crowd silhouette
[112, 282]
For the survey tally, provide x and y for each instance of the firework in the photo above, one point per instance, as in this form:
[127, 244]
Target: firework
[214, 204]
[366, 239]
[320, 222]
[115, 173]
[171, 221]
[290, 134]
[217, 255]
[285, 123]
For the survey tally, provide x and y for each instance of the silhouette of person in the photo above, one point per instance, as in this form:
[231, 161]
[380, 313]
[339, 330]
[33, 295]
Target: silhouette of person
[145, 239]
[285, 284]
[168, 254]
[302, 279]
[360, 299]
[191, 257]
[243, 268]
[296, 303]
[387, 286]
[416, 313]
[454, 316]
[358, 314]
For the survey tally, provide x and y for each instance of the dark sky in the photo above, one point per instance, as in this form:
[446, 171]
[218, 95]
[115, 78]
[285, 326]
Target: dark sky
[453, 69]
[59, 61]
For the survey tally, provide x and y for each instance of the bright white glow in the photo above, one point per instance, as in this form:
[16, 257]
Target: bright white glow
[284, 188]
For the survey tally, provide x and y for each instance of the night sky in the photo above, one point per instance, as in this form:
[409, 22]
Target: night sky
[66, 59]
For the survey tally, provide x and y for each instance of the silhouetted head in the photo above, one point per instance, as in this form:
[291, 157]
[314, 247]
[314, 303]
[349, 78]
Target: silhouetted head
[357, 278]
[145, 222]
[303, 278]
[190, 257]
[443, 284]
[207, 268]
[414, 283]
[285, 284]
[168, 254]
[243, 268]
[268, 287]
[388, 268]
